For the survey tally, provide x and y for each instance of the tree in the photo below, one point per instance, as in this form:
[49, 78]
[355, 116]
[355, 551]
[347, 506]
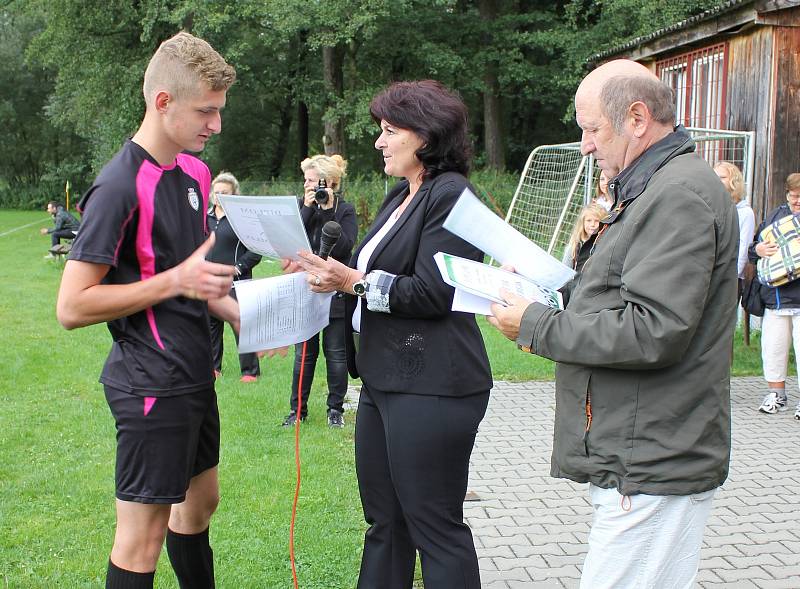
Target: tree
[36, 158]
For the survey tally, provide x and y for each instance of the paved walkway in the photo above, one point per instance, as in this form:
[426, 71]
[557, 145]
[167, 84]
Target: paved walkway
[531, 529]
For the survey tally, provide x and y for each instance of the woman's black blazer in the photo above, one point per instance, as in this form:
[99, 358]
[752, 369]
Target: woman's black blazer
[422, 346]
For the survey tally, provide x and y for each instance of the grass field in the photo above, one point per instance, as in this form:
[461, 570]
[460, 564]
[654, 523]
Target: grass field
[57, 449]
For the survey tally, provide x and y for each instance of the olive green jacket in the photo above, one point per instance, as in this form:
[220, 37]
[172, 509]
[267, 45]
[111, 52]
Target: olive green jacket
[646, 338]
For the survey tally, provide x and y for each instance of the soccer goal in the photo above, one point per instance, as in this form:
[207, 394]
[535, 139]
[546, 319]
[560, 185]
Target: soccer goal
[557, 181]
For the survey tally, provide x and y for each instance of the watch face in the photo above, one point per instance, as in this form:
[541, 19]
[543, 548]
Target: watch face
[359, 288]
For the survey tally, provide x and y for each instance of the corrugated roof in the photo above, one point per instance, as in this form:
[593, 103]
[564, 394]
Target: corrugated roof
[684, 24]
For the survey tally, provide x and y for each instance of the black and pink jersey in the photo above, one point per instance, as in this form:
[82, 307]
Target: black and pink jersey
[142, 218]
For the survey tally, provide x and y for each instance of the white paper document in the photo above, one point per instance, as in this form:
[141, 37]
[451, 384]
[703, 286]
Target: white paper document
[279, 311]
[478, 285]
[472, 221]
[268, 225]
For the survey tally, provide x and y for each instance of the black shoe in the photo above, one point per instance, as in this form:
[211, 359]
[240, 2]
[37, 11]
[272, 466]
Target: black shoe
[291, 418]
[335, 418]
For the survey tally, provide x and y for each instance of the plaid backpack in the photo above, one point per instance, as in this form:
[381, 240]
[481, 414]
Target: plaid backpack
[784, 266]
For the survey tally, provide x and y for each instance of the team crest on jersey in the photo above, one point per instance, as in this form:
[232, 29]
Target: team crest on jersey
[193, 200]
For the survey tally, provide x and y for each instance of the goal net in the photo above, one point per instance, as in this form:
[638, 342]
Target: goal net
[557, 181]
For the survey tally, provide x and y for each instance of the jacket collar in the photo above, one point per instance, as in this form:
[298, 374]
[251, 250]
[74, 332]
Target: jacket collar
[384, 214]
[632, 181]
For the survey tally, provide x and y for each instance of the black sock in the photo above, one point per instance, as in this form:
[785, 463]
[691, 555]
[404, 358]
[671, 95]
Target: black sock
[117, 578]
[192, 559]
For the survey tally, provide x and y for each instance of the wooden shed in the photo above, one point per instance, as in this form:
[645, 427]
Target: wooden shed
[735, 66]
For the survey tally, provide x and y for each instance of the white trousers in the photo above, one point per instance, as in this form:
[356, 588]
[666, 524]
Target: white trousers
[777, 332]
[644, 541]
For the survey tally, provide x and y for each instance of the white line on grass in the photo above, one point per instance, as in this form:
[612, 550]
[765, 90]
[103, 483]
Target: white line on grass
[23, 227]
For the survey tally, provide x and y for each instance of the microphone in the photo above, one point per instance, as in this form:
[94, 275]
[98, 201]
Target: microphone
[331, 232]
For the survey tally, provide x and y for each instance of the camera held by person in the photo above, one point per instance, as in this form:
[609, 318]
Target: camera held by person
[321, 192]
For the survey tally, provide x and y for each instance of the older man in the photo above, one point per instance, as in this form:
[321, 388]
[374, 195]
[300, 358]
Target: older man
[643, 348]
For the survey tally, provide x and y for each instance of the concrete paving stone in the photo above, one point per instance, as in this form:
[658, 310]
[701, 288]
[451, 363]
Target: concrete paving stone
[772, 527]
[741, 584]
[788, 583]
[715, 563]
[762, 560]
[493, 584]
[763, 509]
[774, 497]
[544, 550]
[778, 571]
[785, 537]
[791, 559]
[555, 561]
[729, 518]
[705, 575]
[490, 553]
[723, 550]
[487, 532]
[766, 548]
[517, 574]
[548, 584]
[564, 536]
[566, 571]
[743, 575]
[724, 530]
[489, 522]
[571, 583]
[533, 562]
[531, 531]
[509, 512]
[574, 548]
[511, 540]
[778, 517]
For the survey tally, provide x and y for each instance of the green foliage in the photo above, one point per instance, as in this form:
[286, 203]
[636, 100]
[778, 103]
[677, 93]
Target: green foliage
[35, 157]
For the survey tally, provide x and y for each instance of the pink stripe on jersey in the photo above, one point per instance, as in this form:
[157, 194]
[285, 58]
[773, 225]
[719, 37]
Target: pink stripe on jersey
[146, 182]
[148, 404]
[199, 171]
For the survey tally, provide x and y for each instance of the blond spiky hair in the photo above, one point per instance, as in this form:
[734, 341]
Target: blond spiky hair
[180, 63]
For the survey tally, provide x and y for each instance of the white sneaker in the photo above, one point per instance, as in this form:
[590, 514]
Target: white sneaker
[797, 412]
[773, 403]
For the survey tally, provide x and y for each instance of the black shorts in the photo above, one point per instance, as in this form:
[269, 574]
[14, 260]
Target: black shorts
[161, 445]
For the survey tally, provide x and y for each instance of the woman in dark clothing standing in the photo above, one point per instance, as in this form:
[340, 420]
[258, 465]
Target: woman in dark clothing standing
[229, 250]
[320, 205]
[424, 368]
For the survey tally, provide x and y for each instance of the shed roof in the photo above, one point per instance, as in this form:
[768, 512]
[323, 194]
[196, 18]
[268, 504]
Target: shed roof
[730, 14]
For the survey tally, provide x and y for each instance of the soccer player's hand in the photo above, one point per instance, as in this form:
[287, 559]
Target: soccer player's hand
[196, 278]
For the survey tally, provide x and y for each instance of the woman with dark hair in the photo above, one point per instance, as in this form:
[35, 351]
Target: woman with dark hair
[424, 368]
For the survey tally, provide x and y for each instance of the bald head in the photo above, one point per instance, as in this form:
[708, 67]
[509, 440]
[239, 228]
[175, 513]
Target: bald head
[618, 84]
[593, 83]
[623, 109]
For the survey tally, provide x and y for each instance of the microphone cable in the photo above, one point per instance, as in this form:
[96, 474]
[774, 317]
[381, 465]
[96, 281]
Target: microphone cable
[331, 232]
[297, 462]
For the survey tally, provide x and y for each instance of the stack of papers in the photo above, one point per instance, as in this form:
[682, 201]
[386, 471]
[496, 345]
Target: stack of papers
[268, 225]
[478, 285]
[279, 311]
[537, 277]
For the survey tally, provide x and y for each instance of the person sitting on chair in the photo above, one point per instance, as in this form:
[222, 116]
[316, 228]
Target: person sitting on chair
[65, 225]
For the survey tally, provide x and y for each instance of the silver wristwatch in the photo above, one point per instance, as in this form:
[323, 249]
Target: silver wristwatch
[360, 288]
